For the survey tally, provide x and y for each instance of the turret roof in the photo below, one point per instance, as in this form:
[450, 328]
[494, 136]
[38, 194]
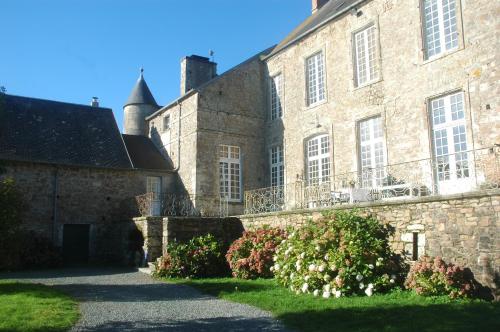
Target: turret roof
[141, 94]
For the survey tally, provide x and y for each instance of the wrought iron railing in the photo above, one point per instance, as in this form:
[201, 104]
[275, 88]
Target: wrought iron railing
[178, 205]
[446, 174]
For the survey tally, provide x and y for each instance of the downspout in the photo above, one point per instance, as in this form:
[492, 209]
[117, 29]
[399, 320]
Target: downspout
[54, 205]
[176, 169]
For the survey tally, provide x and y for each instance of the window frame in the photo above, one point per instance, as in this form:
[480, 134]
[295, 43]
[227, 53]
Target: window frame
[319, 157]
[225, 184]
[376, 62]
[377, 180]
[276, 114]
[158, 185]
[309, 104]
[459, 31]
[279, 165]
[448, 126]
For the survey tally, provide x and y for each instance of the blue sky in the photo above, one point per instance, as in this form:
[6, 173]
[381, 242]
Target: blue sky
[71, 50]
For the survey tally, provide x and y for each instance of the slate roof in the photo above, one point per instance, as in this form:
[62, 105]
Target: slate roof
[144, 153]
[37, 130]
[141, 94]
[329, 11]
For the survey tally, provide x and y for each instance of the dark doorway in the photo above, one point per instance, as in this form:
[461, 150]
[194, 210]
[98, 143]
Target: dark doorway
[76, 244]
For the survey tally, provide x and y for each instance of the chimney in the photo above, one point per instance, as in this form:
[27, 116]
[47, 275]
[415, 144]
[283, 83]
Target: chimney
[195, 71]
[317, 4]
[94, 102]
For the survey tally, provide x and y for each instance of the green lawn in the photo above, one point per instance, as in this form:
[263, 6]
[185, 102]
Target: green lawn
[397, 311]
[30, 307]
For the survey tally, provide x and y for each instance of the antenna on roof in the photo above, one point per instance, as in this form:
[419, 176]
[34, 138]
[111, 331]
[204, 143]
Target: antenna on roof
[142, 71]
[211, 55]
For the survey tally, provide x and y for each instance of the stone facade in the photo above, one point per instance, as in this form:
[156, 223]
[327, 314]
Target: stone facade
[59, 195]
[401, 94]
[463, 229]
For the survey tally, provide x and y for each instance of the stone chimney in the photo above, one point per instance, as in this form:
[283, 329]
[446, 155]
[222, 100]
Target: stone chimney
[195, 71]
[94, 102]
[317, 4]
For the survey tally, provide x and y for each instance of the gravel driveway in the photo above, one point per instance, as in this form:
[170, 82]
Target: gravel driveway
[120, 300]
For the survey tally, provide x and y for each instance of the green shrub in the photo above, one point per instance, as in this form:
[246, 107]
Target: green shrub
[341, 254]
[433, 276]
[251, 256]
[201, 257]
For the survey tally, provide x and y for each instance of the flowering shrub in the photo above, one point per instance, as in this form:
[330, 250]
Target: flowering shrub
[341, 254]
[201, 257]
[432, 276]
[251, 256]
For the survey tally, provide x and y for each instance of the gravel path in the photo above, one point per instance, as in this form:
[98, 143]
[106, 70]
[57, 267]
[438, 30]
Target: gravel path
[120, 300]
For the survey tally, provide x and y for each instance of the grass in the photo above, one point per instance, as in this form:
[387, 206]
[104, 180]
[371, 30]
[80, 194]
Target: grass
[396, 311]
[32, 307]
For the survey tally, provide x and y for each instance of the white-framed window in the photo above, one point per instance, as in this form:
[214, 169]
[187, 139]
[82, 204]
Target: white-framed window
[277, 166]
[439, 26]
[315, 78]
[365, 56]
[318, 159]
[230, 172]
[450, 137]
[276, 87]
[166, 122]
[372, 154]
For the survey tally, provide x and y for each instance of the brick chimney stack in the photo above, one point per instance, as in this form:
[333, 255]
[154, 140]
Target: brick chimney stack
[317, 4]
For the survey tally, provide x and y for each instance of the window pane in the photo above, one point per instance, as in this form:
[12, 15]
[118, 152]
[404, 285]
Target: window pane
[450, 24]
[315, 74]
[276, 96]
[431, 26]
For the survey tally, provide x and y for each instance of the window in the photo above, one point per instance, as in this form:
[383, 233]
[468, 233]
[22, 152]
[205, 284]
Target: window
[315, 75]
[372, 152]
[166, 123]
[277, 166]
[440, 26]
[153, 185]
[318, 160]
[230, 172]
[365, 53]
[450, 137]
[276, 85]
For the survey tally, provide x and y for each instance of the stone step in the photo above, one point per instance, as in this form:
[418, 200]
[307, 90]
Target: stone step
[145, 270]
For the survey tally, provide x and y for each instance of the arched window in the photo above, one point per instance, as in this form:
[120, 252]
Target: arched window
[318, 159]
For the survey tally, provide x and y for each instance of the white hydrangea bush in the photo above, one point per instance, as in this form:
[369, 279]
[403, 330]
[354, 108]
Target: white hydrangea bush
[341, 254]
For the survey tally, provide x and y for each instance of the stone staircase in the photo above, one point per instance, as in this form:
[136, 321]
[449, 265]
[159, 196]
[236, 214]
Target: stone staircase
[148, 270]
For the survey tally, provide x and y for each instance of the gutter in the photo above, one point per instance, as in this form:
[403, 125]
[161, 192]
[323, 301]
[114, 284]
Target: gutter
[176, 169]
[343, 11]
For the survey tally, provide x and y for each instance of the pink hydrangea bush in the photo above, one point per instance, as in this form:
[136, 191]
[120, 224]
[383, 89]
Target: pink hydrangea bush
[251, 256]
[341, 254]
[433, 276]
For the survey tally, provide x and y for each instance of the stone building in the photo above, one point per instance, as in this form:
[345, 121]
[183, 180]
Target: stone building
[78, 175]
[356, 97]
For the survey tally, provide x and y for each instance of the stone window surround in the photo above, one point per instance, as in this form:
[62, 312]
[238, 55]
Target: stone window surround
[166, 123]
[305, 57]
[460, 31]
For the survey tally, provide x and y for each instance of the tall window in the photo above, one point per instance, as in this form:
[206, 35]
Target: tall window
[230, 172]
[318, 159]
[372, 152]
[440, 26]
[276, 85]
[277, 166]
[315, 73]
[153, 185]
[450, 137]
[365, 52]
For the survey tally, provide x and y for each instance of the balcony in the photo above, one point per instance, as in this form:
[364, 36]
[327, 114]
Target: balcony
[444, 175]
[178, 205]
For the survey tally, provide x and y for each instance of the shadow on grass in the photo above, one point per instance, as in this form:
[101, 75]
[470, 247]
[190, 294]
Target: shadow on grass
[228, 286]
[33, 290]
[434, 317]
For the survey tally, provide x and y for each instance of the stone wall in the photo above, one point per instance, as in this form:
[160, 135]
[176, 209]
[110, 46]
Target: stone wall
[159, 231]
[103, 198]
[463, 229]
